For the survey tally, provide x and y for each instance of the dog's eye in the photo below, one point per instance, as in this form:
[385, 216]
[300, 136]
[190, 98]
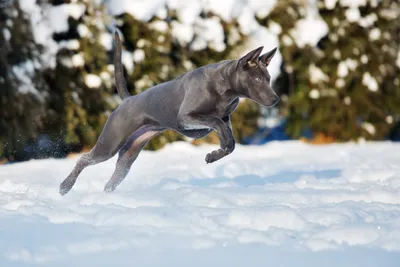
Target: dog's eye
[258, 79]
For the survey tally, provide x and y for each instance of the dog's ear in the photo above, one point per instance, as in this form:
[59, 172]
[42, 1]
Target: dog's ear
[267, 57]
[251, 58]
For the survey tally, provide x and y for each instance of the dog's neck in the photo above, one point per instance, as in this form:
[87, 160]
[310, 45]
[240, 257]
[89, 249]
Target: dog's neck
[224, 73]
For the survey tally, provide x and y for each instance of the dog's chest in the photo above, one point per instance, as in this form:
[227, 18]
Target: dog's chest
[230, 107]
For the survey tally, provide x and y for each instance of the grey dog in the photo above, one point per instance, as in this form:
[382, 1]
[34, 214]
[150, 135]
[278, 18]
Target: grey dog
[193, 104]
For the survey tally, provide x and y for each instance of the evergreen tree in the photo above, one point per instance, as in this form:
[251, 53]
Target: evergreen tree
[360, 90]
[23, 91]
[347, 85]
[82, 81]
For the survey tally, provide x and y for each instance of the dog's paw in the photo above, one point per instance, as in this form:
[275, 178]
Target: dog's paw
[215, 155]
[66, 186]
[109, 187]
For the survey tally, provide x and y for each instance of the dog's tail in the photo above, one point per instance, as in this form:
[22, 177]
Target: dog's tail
[118, 70]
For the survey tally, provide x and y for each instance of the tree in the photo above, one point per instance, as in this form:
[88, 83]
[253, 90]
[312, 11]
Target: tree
[23, 91]
[345, 85]
[81, 83]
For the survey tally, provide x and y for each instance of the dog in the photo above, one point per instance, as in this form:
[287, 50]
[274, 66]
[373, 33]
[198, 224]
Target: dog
[193, 104]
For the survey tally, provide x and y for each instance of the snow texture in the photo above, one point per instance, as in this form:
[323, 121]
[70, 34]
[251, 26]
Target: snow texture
[314, 94]
[330, 4]
[200, 33]
[309, 31]
[44, 24]
[190, 28]
[317, 75]
[92, 81]
[25, 73]
[127, 61]
[106, 40]
[140, 9]
[370, 82]
[78, 60]
[280, 204]
[264, 37]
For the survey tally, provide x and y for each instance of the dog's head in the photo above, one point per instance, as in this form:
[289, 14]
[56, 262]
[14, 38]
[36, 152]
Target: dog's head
[253, 78]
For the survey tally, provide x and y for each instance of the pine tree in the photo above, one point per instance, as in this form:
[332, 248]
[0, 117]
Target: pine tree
[23, 91]
[82, 81]
[346, 86]
[361, 52]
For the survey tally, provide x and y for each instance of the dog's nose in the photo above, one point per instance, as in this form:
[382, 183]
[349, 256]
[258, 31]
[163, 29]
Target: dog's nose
[275, 100]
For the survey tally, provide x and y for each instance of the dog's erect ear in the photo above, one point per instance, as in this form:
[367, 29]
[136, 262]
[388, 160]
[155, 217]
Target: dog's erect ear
[267, 57]
[251, 58]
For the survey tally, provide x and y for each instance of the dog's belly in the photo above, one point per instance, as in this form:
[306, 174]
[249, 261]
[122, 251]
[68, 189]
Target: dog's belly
[196, 133]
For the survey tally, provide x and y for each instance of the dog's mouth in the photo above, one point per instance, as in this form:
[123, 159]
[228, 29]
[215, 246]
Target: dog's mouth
[269, 101]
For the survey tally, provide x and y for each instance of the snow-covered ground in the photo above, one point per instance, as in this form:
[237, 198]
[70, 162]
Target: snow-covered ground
[280, 204]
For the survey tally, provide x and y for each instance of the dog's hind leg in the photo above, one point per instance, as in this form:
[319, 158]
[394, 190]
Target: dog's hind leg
[112, 138]
[129, 153]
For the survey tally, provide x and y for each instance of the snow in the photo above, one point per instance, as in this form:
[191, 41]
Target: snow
[247, 21]
[227, 9]
[314, 94]
[368, 20]
[262, 8]
[106, 40]
[353, 14]
[210, 30]
[83, 30]
[92, 80]
[182, 33]
[316, 74]
[138, 55]
[159, 25]
[24, 73]
[345, 66]
[287, 41]
[309, 31]
[78, 60]
[106, 77]
[342, 69]
[69, 44]
[340, 83]
[330, 4]
[374, 34]
[6, 34]
[351, 63]
[44, 23]
[291, 203]
[127, 61]
[263, 37]
[187, 11]
[189, 27]
[75, 10]
[58, 15]
[370, 82]
[47, 20]
[199, 32]
[275, 27]
[389, 119]
[142, 10]
[347, 100]
[353, 3]
[368, 127]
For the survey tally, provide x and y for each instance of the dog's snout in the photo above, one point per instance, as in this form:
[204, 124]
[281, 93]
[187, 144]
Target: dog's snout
[275, 99]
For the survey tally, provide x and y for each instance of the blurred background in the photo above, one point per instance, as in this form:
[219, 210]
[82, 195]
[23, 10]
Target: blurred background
[337, 70]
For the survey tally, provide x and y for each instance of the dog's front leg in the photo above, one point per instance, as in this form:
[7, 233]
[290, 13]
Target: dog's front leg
[227, 141]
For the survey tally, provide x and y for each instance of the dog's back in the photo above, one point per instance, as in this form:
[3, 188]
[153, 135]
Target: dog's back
[161, 103]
